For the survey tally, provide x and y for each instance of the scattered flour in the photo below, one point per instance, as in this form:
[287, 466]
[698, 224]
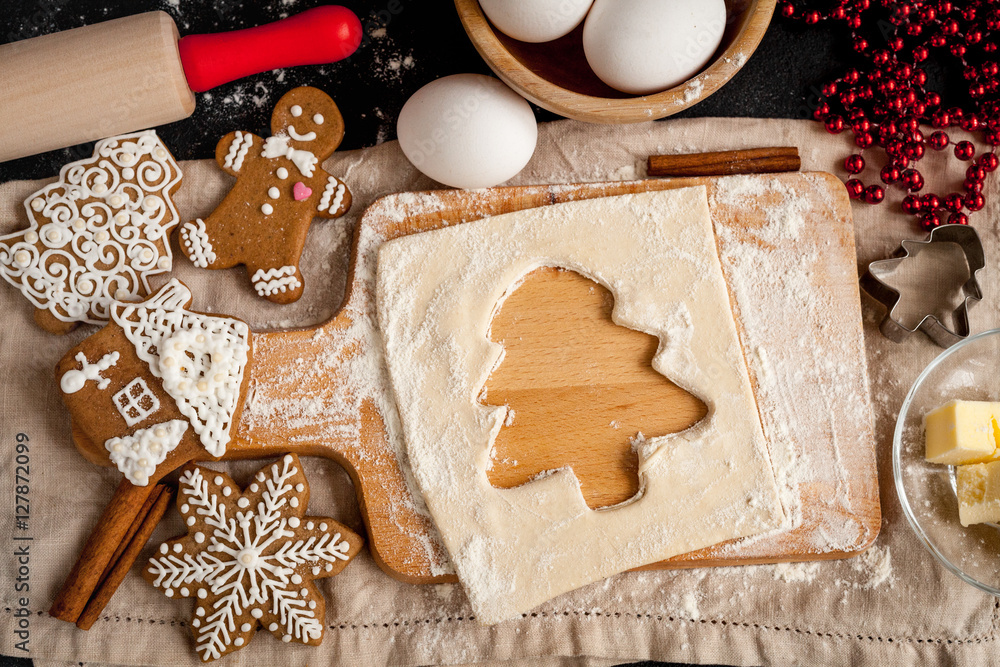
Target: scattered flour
[693, 91]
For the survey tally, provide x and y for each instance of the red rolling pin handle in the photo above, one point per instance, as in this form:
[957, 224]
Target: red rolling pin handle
[316, 36]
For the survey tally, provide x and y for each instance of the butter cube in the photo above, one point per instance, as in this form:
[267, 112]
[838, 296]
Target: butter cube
[978, 493]
[962, 432]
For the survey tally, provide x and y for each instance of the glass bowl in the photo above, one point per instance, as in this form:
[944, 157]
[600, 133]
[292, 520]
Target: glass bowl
[969, 370]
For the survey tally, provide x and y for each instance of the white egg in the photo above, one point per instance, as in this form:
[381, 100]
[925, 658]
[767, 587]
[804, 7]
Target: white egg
[645, 46]
[467, 131]
[535, 20]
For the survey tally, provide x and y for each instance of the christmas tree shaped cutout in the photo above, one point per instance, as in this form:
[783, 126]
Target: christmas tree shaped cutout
[580, 389]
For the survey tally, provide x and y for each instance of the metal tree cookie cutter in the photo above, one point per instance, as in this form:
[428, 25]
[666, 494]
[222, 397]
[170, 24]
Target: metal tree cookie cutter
[873, 282]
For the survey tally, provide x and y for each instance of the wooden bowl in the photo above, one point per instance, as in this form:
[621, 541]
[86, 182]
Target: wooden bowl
[555, 75]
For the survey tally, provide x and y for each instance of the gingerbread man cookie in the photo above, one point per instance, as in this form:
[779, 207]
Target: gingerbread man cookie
[249, 559]
[96, 234]
[280, 187]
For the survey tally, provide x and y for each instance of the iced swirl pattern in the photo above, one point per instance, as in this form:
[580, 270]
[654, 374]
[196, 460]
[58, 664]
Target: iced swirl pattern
[99, 232]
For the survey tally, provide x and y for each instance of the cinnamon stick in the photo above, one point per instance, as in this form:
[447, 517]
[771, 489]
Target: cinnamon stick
[102, 544]
[121, 567]
[136, 523]
[721, 163]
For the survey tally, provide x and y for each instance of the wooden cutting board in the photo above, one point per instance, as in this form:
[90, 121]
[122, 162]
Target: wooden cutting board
[306, 396]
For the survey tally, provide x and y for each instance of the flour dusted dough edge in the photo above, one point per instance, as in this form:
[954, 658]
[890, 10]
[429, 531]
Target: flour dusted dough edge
[515, 548]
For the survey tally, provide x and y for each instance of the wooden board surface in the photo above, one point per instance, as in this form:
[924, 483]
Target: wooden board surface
[353, 432]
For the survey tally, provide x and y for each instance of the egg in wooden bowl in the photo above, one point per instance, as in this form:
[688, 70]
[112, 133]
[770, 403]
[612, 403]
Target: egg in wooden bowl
[556, 75]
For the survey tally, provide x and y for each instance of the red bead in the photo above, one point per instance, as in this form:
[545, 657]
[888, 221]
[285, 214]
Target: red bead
[911, 204]
[938, 141]
[930, 202]
[975, 202]
[989, 161]
[874, 194]
[929, 221]
[972, 186]
[964, 150]
[992, 138]
[975, 173]
[953, 202]
[855, 188]
[834, 124]
[889, 174]
[970, 124]
[920, 54]
[949, 27]
[914, 151]
[854, 164]
[912, 179]
[864, 140]
[813, 17]
[958, 219]
[788, 11]
[940, 119]
[852, 76]
[861, 126]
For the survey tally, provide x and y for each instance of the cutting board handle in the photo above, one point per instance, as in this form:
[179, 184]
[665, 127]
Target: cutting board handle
[316, 36]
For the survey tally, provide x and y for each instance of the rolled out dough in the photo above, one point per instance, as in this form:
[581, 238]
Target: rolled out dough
[515, 548]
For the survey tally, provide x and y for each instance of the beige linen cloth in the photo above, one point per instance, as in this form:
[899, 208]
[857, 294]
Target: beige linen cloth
[892, 606]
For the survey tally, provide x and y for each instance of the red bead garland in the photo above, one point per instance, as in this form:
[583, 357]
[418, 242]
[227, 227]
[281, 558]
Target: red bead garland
[885, 102]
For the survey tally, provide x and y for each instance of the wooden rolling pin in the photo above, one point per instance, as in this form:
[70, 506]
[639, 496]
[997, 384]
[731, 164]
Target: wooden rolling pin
[135, 72]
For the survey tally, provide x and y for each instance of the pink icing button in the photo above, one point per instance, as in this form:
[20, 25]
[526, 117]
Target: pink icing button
[301, 191]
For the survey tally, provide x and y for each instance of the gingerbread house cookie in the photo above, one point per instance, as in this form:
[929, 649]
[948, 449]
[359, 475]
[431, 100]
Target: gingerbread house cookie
[263, 221]
[97, 234]
[157, 377]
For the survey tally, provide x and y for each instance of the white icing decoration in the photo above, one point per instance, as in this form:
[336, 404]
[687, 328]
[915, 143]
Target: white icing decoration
[273, 281]
[332, 185]
[73, 239]
[267, 209]
[308, 136]
[73, 381]
[282, 173]
[232, 566]
[296, 110]
[196, 244]
[137, 455]
[273, 192]
[199, 537]
[238, 151]
[200, 359]
[277, 146]
[318, 119]
[135, 401]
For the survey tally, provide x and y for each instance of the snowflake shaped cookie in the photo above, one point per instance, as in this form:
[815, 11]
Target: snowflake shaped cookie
[249, 559]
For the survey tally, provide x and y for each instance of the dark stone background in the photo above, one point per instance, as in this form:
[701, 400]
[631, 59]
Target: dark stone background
[423, 40]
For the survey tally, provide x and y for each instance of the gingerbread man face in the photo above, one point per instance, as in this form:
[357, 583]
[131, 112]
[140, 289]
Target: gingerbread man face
[280, 187]
[312, 121]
